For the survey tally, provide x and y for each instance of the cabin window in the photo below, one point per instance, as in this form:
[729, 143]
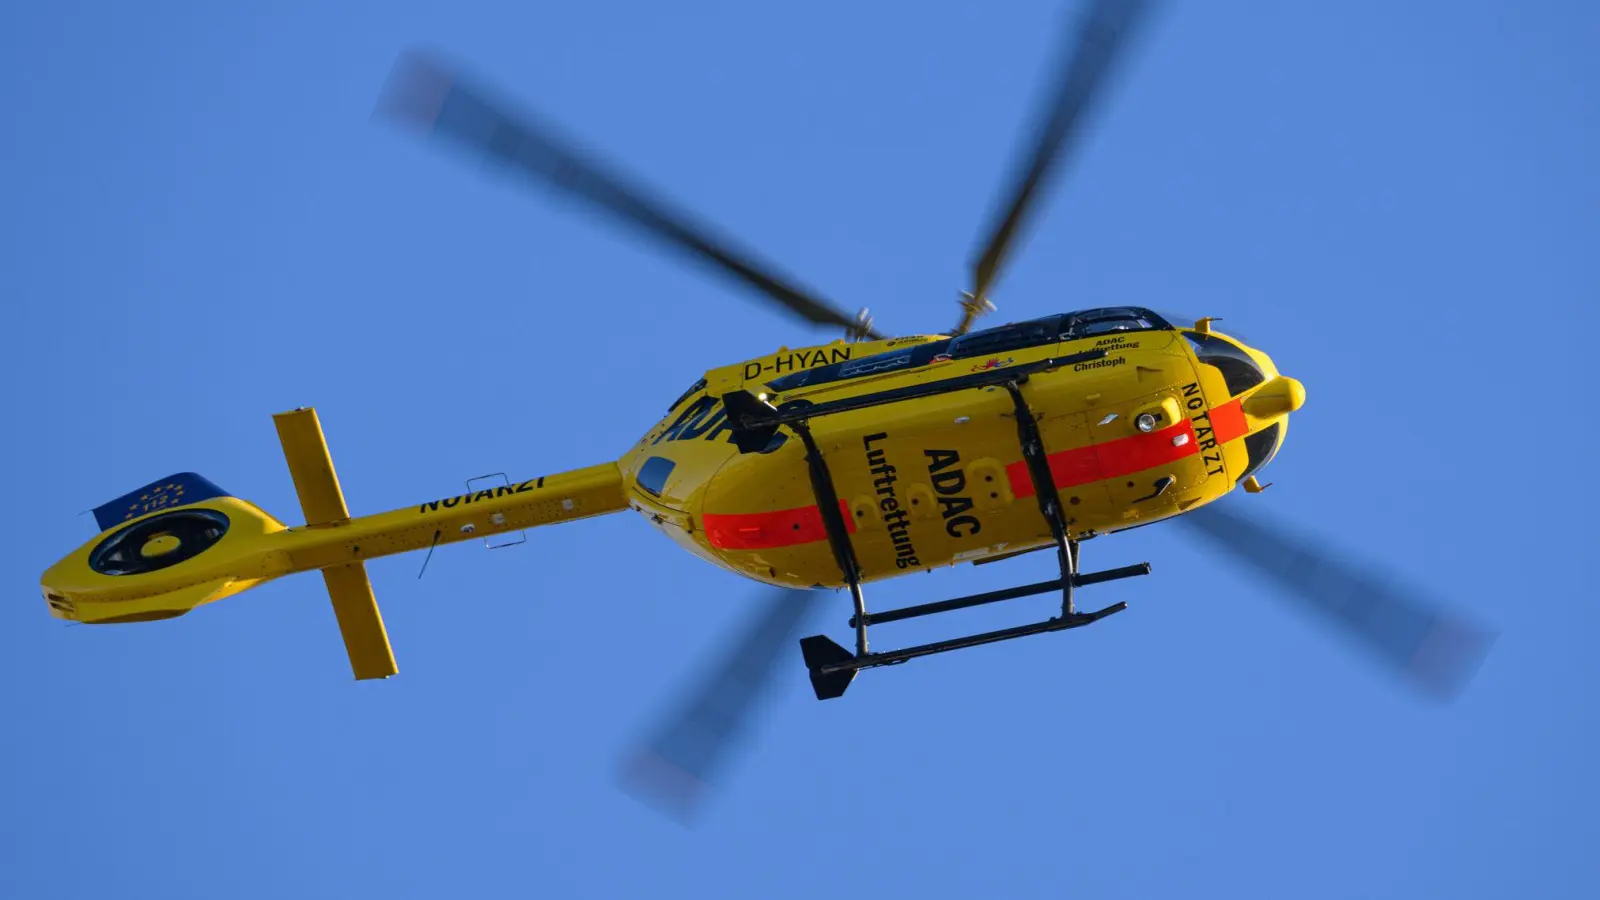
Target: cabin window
[877, 364]
[1016, 336]
[1240, 371]
[1260, 448]
[652, 477]
[1110, 320]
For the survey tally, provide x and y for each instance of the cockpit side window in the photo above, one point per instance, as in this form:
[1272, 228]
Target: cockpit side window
[1239, 371]
[1016, 336]
[695, 388]
[1260, 448]
[652, 477]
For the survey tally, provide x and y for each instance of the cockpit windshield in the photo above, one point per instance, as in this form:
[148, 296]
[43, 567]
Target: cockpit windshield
[1260, 448]
[1240, 371]
[695, 388]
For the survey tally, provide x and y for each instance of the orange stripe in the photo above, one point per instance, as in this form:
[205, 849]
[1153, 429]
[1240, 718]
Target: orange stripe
[1135, 453]
[1228, 420]
[1138, 452]
[1112, 459]
[770, 530]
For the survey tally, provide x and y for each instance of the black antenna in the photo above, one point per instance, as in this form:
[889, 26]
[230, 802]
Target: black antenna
[434, 543]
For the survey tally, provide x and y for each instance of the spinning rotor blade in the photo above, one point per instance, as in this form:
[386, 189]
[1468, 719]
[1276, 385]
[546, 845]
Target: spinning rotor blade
[1092, 53]
[673, 771]
[423, 94]
[1433, 649]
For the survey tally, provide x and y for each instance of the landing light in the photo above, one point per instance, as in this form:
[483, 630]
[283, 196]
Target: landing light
[1146, 422]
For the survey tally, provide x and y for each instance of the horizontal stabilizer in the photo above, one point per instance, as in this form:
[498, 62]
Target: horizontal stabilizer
[355, 607]
[311, 466]
[820, 650]
[360, 622]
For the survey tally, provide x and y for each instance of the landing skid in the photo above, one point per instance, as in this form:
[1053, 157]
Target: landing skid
[833, 667]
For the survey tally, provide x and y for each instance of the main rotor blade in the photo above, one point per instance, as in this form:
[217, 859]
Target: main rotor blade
[1091, 53]
[673, 771]
[1430, 647]
[422, 93]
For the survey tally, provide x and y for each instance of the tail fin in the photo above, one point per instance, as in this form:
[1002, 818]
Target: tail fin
[182, 541]
[181, 489]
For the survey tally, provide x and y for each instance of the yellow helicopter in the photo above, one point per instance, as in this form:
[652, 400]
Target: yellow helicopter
[823, 466]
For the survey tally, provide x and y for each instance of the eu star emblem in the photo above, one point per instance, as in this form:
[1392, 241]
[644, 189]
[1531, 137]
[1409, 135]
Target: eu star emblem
[174, 490]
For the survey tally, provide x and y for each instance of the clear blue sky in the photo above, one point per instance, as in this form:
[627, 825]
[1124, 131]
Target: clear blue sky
[202, 227]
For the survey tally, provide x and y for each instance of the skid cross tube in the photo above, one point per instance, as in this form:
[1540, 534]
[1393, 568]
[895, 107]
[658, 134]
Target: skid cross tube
[895, 657]
[1026, 590]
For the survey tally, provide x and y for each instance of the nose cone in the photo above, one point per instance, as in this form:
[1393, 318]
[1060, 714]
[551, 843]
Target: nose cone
[1278, 397]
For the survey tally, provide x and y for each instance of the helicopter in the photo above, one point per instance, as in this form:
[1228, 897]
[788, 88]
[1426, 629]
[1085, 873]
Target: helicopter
[819, 467]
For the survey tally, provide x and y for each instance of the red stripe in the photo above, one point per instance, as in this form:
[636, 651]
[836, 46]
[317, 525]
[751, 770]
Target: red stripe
[1228, 420]
[1135, 453]
[1112, 459]
[1138, 452]
[1075, 466]
[770, 530]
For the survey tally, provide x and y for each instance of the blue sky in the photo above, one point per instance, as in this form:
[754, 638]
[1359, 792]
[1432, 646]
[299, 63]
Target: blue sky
[202, 227]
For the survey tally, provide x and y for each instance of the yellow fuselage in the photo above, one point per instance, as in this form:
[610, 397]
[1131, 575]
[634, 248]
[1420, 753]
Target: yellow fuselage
[934, 481]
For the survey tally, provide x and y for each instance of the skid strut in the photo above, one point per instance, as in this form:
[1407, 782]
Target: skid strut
[1044, 488]
[833, 667]
[838, 536]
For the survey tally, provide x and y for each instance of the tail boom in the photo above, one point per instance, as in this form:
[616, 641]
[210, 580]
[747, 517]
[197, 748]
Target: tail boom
[156, 571]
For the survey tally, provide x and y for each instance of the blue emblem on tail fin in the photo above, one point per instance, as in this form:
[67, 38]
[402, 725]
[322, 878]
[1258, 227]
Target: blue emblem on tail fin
[174, 490]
